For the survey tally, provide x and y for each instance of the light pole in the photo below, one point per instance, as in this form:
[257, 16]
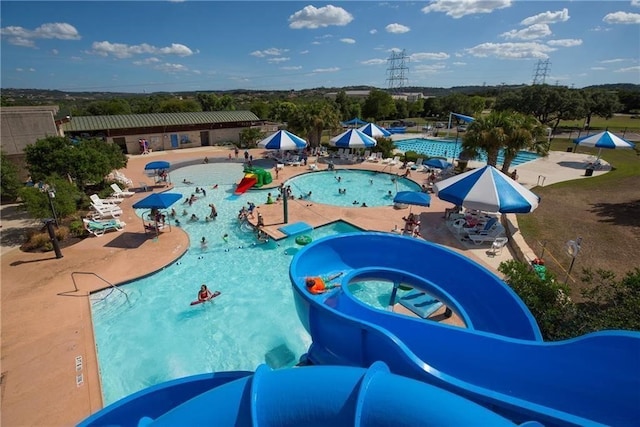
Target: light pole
[51, 194]
[573, 248]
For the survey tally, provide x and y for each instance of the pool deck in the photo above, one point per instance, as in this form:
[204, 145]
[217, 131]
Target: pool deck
[49, 372]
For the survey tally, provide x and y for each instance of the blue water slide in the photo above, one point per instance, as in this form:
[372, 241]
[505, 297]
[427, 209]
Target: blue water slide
[309, 396]
[498, 360]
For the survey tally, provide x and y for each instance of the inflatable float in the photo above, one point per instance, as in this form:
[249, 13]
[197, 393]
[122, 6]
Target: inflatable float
[213, 295]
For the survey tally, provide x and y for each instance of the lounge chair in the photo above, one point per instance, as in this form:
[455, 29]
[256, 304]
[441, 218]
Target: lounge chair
[490, 235]
[106, 211]
[366, 155]
[108, 201]
[119, 192]
[98, 228]
[497, 245]
[395, 160]
[420, 303]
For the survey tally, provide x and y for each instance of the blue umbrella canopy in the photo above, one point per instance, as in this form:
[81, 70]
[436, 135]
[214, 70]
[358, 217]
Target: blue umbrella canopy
[604, 139]
[158, 201]
[353, 138]
[157, 165]
[283, 140]
[355, 121]
[374, 131]
[437, 163]
[416, 198]
[487, 189]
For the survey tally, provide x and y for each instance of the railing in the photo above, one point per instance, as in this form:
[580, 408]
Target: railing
[75, 286]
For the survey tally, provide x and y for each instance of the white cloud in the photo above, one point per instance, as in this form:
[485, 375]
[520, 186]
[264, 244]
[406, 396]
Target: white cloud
[292, 68]
[54, 51]
[304, 52]
[529, 50]
[397, 28]
[312, 18]
[426, 56]
[20, 36]
[459, 63]
[635, 3]
[147, 61]
[326, 70]
[428, 69]
[375, 31]
[376, 61]
[269, 52]
[19, 70]
[32, 69]
[532, 32]
[316, 43]
[634, 69]
[121, 50]
[622, 18]
[459, 8]
[611, 61]
[565, 42]
[278, 59]
[547, 17]
[598, 68]
[171, 68]
[348, 41]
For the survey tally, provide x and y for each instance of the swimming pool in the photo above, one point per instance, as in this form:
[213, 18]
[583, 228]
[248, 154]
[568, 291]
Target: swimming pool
[153, 335]
[362, 186]
[451, 148]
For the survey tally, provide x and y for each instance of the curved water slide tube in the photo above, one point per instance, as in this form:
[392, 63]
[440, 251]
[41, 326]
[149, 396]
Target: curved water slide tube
[309, 396]
[246, 183]
[499, 360]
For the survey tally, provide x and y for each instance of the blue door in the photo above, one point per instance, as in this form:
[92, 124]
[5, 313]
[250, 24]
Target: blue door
[174, 140]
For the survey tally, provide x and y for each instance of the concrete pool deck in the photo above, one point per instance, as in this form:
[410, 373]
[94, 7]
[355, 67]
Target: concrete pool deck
[49, 372]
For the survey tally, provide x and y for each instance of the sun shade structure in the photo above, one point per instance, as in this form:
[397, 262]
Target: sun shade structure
[283, 140]
[374, 131]
[356, 121]
[157, 165]
[158, 201]
[416, 198]
[487, 189]
[353, 138]
[602, 140]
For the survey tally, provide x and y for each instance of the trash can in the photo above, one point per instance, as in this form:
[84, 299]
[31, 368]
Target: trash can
[588, 172]
[569, 149]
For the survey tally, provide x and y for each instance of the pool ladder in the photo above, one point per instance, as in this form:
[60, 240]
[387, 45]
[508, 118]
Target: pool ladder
[75, 286]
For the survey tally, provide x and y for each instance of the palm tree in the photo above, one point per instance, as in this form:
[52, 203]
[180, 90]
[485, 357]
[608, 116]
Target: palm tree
[505, 130]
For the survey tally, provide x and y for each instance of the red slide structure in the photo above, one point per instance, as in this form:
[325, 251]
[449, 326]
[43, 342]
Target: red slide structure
[246, 183]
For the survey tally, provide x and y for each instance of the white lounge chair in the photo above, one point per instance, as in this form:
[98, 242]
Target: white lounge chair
[105, 211]
[108, 201]
[395, 160]
[119, 192]
[484, 236]
[98, 228]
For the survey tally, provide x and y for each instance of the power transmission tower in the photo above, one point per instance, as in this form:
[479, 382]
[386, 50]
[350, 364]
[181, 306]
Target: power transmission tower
[397, 71]
[541, 72]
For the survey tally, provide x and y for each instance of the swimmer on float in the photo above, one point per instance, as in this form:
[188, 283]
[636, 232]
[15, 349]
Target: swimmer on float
[204, 294]
[316, 285]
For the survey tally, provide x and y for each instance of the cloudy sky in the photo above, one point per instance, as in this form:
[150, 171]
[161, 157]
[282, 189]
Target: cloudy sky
[149, 46]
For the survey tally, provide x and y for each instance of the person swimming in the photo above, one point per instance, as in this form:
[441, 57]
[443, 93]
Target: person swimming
[204, 294]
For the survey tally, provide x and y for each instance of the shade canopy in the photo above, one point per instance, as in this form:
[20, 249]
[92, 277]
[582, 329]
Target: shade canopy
[353, 138]
[416, 198]
[157, 201]
[157, 165]
[604, 139]
[437, 163]
[466, 119]
[356, 121]
[374, 131]
[283, 140]
[487, 189]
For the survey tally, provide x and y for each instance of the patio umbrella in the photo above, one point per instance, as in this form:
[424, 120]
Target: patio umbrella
[437, 163]
[412, 198]
[374, 131]
[283, 140]
[356, 121]
[353, 138]
[157, 201]
[157, 165]
[487, 189]
[602, 140]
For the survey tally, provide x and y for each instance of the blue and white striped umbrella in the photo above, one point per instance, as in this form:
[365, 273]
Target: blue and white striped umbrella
[353, 138]
[283, 140]
[487, 189]
[602, 140]
[374, 131]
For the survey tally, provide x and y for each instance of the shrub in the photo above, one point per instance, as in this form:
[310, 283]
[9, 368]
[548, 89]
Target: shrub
[36, 240]
[76, 228]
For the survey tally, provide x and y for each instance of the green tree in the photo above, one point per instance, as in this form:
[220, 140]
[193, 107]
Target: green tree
[9, 181]
[378, 106]
[523, 133]
[109, 107]
[282, 111]
[260, 109]
[312, 119]
[250, 136]
[175, 105]
[600, 103]
[37, 202]
[86, 161]
[546, 298]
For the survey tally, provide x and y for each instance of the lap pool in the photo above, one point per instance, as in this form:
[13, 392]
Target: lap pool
[152, 334]
[451, 148]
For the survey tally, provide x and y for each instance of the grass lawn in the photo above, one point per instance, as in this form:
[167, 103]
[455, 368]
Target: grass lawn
[603, 210]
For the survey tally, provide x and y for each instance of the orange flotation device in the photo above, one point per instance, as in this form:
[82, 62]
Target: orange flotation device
[315, 285]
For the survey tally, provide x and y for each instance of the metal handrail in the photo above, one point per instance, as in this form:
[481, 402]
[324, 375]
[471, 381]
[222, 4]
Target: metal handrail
[75, 286]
